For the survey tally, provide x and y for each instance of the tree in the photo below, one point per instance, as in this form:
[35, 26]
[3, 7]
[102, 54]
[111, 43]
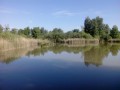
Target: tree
[99, 23]
[87, 25]
[27, 31]
[57, 34]
[35, 32]
[7, 28]
[20, 32]
[105, 33]
[85, 35]
[69, 34]
[43, 32]
[76, 30]
[107, 28]
[91, 26]
[1, 28]
[96, 27]
[114, 33]
[14, 31]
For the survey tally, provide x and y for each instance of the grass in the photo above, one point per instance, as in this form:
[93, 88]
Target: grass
[9, 41]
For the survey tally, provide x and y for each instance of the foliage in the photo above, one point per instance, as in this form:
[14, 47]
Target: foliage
[8, 35]
[86, 35]
[93, 28]
[96, 27]
[27, 31]
[57, 35]
[114, 33]
[1, 28]
[35, 32]
[14, 31]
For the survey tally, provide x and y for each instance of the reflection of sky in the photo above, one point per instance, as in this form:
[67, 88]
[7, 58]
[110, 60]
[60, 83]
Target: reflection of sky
[64, 56]
[112, 60]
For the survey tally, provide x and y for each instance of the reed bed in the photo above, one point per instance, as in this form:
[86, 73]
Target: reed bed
[77, 41]
[9, 41]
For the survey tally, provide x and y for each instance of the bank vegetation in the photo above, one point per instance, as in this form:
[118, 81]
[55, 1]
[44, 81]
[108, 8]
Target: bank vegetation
[94, 31]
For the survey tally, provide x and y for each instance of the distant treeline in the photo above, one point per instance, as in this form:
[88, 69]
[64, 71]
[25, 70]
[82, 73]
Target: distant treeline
[92, 29]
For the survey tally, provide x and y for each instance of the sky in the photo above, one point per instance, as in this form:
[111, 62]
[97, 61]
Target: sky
[64, 14]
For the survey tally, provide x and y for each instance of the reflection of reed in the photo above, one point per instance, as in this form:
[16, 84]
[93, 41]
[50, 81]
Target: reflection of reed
[12, 48]
[11, 55]
[92, 54]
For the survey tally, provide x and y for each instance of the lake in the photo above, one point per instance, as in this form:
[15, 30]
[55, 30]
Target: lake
[61, 68]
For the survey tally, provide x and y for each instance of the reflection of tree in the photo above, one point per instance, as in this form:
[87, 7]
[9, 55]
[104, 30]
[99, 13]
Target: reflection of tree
[38, 51]
[114, 49]
[55, 49]
[92, 54]
[97, 53]
[60, 48]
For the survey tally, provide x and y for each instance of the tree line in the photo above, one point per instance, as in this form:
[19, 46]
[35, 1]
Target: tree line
[97, 29]
[93, 28]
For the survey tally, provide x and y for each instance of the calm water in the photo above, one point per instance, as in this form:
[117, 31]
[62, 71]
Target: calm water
[61, 68]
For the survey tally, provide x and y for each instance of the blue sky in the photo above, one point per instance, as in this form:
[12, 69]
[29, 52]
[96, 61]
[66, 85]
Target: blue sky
[64, 14]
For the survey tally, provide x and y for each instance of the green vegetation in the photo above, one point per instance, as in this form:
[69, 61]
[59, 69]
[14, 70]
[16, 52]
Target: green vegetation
[114, 33]
[97, 29]
[93, 29]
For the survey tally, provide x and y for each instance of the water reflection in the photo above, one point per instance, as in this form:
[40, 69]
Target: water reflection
[11, 55]
[96, 54]
[92, 55]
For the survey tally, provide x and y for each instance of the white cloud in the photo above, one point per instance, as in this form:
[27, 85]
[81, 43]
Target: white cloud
[69, 13]
[64, 13]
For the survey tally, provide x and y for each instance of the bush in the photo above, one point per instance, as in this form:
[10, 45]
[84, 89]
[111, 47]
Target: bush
[8, 35]
[86, 35]
[105, 37]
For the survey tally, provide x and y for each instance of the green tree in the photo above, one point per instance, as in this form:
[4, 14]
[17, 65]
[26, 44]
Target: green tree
[69, 34]
[96, 27]
[14, 31]
[76, 30]
[20, 32]
[91, 26]
[43, 32]
[36, 32]
[105, 33]
[57, 34]
[1, 28]
[107, 28]
[85, 35]
[27, 31]
[87, 25]
[114, 33]
[99, 22]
